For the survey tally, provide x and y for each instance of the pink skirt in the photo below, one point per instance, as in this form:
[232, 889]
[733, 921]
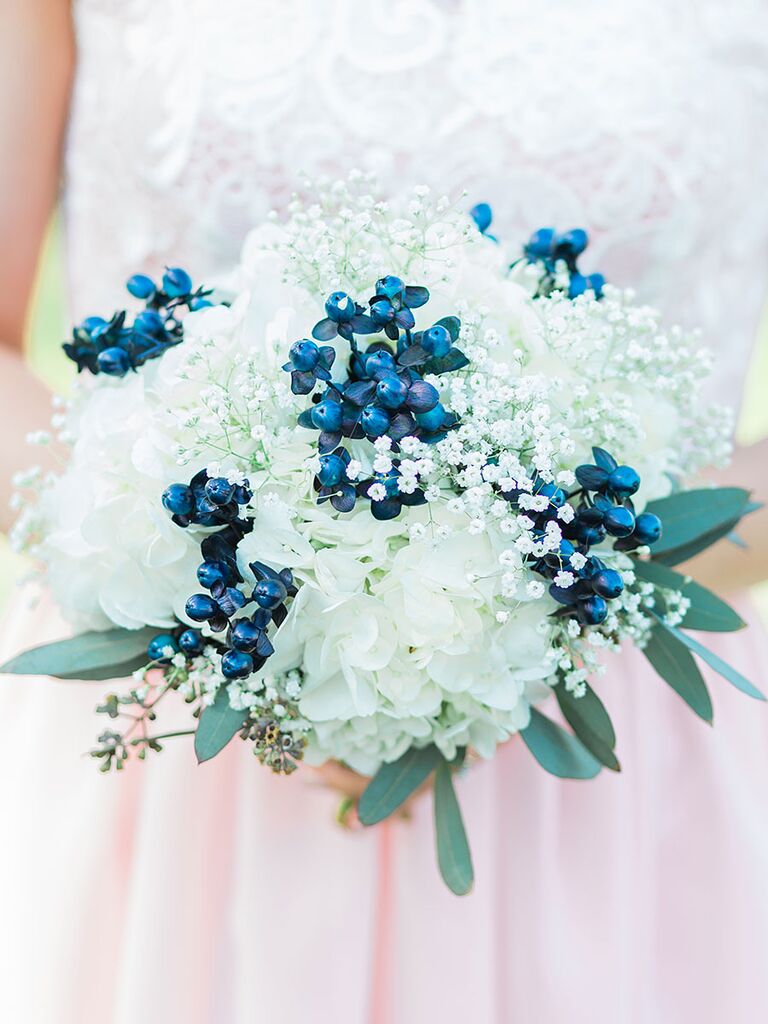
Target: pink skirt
[221, 894]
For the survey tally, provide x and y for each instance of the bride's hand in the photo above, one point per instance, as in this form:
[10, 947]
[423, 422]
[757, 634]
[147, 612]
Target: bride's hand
[349, 785]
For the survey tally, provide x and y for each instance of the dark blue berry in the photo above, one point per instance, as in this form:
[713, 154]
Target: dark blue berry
[191, 642]
[236, 664]
[572, 243]
[382, 312]
[244, 635]
[647, 528]
[608, 583]
[209, 574]
[178, 499]
[327, 415]
[158, 645]
[176, 282]
[304, 355]
[390, 286]
[437, 341]
[219, 490]
[269, 593]
[593, 610]
[114, 361]
[619, 521]
[374, 421]
[332, 470]
[200, 608]
[541, 243]
[624, 481]
[92, 324]
[422, 397]
[432, 420]
[391, 391]
[482, 215]
[149, 322]
[379, 363]
[140, 286]
[340, 308]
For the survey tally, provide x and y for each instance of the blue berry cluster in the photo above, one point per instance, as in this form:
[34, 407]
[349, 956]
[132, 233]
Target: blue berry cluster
[384, 393]
[115, 347]
[603, 505]
[214, 501]
[550, 251]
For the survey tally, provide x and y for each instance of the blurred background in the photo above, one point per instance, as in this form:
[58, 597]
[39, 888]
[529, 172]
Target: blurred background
[48, 325]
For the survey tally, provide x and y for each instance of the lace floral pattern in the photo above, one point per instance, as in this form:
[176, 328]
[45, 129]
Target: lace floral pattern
[635, 120]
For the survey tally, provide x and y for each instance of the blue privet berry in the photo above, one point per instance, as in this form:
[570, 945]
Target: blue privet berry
[339, 307]
[201, 608]
[304, 355]
[219, 490]
[245, 635]
[178, 499]
[117, 346]
[212, 574]
[332, 470]
[269, 593]
[482, 215]
[433, 419]
[619, 521]
[647, 528]
[557, 254]
[149, 322]
[390, 286]
[236, 664]
[159, 645]
[140, 286]
[593, 610]
[115, 362]
[374, 421]
[391, 391]
[624, 481]
[437, 341]
[176, 282]
[327, 415]
[608, 583]
[191, 642]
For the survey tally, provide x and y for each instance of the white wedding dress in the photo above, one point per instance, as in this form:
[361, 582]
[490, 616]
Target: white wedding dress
[222, 895]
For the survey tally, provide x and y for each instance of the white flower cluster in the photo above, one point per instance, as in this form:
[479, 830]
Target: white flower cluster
[429, 627]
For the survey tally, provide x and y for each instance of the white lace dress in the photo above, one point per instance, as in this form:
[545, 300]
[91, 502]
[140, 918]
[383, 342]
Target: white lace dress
[222, 895]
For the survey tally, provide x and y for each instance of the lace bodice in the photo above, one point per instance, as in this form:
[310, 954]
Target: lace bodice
[642, 121]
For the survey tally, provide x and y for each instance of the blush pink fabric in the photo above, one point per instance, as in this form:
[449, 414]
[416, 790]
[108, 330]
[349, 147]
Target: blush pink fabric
[223, 895]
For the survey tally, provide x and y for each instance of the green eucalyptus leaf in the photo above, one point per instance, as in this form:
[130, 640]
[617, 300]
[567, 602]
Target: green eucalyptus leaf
[453, 854]
[708, 612]
[557, 751]
[81, 656]
[219, 723]
[689, 516]
[674, 663]
[714, 661]
[122, 671]
[687, 551]
[394, 782]
[588, 718]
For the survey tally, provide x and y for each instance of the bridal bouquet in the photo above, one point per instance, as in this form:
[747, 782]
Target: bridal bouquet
[386, 496]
